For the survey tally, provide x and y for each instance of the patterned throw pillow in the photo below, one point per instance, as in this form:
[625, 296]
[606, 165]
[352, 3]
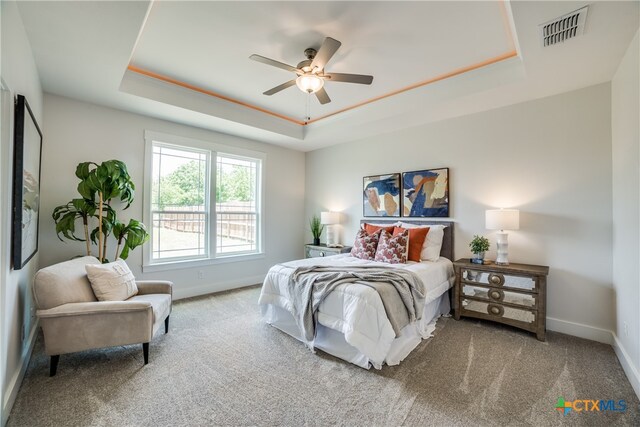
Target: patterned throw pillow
[365, 245]
[393, 249]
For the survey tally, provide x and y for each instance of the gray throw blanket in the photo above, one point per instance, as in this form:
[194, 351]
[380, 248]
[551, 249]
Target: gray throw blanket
[309, 286]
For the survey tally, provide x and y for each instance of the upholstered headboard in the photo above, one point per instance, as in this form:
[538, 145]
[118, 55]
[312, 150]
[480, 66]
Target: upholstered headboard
[447, 241]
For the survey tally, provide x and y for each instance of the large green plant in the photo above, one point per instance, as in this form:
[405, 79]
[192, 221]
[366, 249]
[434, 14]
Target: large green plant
[100, 185]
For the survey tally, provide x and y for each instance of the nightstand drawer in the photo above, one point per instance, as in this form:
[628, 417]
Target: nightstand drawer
[496, 311]
[499, 279]
[499, 295]
[321, 251]
[318, 253]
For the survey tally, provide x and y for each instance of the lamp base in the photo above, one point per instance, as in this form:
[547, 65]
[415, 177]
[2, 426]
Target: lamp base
[503, 249]
[332, 236]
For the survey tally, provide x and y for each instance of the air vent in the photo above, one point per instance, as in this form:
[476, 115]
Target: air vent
[563, 28]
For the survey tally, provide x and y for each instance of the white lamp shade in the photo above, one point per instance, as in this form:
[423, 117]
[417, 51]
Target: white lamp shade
[309, 83]
[502, 219]
[329, 218]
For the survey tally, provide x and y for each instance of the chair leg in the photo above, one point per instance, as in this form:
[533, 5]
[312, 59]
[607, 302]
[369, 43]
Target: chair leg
[53, 366]
[166, 325]
[145, 352]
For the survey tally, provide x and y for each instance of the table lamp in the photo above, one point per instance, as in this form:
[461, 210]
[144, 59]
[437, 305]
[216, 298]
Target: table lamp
[502, 219]
[328, 219]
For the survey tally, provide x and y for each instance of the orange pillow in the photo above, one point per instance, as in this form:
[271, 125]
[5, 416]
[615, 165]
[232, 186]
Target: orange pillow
[416, 240]
[370, 228]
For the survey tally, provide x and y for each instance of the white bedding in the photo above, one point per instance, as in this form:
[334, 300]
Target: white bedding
[356, 311]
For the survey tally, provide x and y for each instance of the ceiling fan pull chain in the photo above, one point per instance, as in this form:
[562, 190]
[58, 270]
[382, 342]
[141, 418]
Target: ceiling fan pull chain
[307, 117]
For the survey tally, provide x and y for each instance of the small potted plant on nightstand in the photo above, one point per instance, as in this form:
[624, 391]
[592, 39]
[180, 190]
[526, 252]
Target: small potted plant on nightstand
[479, 245]
[316, 229]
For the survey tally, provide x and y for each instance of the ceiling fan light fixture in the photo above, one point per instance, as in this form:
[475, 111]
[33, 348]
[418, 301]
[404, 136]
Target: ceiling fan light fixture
[309, 83]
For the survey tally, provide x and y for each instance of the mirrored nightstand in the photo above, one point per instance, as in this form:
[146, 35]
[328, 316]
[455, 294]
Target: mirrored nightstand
[513, 294]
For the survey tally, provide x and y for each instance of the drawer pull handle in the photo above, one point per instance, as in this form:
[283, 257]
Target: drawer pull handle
[496, 279]
[496, 310]
[321, 253]
[496, 294]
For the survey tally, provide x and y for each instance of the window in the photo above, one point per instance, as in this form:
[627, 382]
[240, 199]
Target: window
[236, 207]
[179, 207]
[204, 200]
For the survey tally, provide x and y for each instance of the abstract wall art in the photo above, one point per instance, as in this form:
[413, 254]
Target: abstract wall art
[425, 193]
[381, 195]
[26, 184]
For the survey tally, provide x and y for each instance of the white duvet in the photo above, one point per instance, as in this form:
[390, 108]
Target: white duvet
[355, 310]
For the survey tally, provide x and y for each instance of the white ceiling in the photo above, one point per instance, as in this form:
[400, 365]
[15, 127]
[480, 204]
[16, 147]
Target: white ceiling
[399, 43]
[82, 50]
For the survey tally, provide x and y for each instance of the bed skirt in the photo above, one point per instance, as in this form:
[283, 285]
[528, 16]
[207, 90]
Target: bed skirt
[334, 343]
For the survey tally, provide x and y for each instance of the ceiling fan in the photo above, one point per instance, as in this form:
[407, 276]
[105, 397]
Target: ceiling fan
[310, 72]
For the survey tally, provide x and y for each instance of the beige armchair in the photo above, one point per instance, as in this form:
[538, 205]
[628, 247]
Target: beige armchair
[72, 319]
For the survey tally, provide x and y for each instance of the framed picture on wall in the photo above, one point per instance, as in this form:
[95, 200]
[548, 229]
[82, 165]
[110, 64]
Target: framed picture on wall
[26, 184]
[425, 193]
[381, 195]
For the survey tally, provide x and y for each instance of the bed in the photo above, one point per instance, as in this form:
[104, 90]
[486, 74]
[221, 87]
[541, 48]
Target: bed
[352, 323]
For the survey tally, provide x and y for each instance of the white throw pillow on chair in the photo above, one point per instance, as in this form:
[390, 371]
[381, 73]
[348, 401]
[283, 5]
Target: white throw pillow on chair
[113, 281]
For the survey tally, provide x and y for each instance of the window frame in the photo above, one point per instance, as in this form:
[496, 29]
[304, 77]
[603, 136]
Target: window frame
[213, 149]
[258, 203]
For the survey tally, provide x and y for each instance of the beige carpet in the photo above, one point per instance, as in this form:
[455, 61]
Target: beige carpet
[220, 365]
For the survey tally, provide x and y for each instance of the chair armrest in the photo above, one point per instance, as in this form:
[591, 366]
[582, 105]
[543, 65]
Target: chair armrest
[146, 287]
[100, 307]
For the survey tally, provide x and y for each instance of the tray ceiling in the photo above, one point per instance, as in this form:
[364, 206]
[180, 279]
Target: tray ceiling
[400, 43]
[431, 60]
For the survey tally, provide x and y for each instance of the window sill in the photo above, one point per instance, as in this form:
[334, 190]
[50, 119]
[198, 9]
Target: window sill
[179, 265]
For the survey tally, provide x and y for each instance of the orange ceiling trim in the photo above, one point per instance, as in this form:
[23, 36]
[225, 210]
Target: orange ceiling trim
[511, 54]
[170, 80]
[453, 73]
[423, 83]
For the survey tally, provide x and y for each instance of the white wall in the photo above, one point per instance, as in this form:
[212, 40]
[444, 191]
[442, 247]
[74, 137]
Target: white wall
[550, 158]
[625, 129]
[78, 132]
[19, 72]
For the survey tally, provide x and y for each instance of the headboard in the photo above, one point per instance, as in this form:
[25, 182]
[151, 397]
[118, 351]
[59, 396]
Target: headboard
[447, 241]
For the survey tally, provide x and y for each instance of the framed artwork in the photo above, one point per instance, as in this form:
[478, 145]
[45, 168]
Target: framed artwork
[26, 184]
[425, 193]
[381, 195]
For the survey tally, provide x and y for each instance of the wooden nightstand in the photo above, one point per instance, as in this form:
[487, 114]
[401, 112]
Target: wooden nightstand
[315, 251]
[514, 294]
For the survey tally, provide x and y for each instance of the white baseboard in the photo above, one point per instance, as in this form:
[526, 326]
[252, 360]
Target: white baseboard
[580, 330]
[627, 364]
[209, 288]
[16, 381]
[600, 335]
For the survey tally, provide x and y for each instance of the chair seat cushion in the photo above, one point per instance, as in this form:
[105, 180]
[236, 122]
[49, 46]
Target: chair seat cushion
[160, 304]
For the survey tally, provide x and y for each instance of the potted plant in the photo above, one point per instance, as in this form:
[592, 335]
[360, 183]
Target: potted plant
[100, 185]
[479, 245]
[316, 229]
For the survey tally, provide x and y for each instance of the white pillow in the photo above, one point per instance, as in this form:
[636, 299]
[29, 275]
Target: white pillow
[433, 243]
[112, 282]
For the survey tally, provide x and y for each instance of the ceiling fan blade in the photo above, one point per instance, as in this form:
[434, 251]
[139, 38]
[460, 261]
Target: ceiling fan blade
[327, 50]
[277, 89]
[322, 96]
[349, 78]
[273, 63]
